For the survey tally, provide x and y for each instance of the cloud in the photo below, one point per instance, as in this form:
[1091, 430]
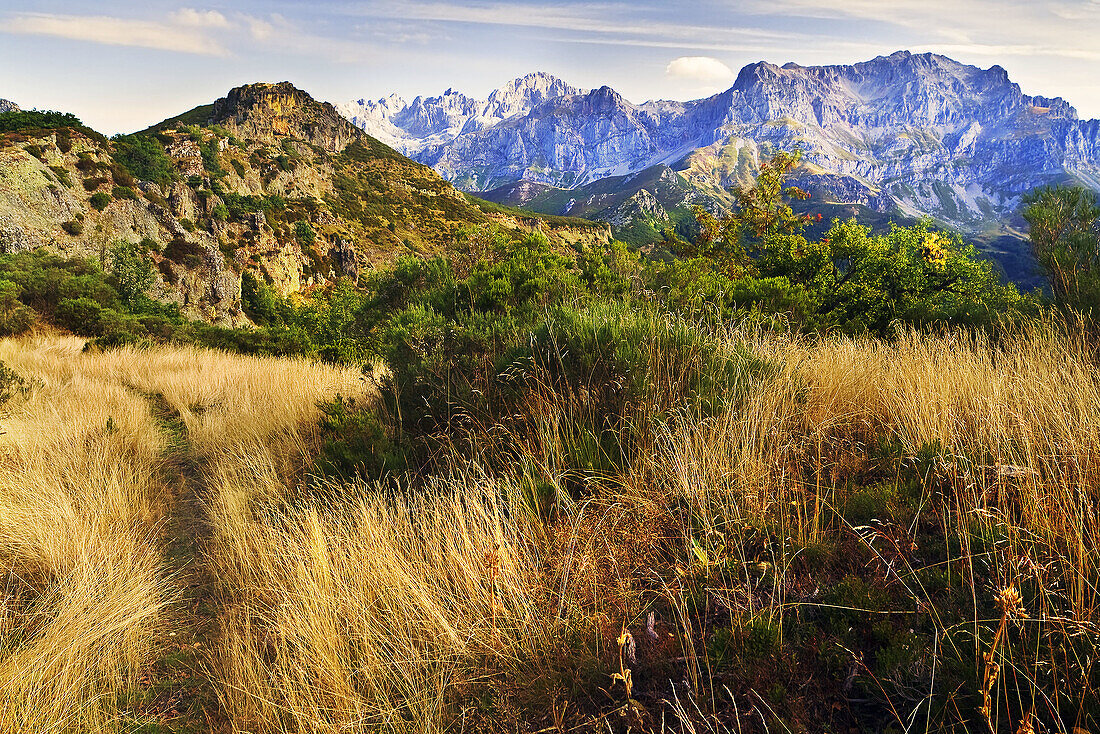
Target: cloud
[200, 18]
[703, 69]
[112, 31]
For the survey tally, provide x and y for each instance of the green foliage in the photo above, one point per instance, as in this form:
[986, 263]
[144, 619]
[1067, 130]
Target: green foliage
[62, 176]
[37, 120]
[143, 157]
[304, 233]
[1065, 237]
[132, 272]
[123, 192]
[100, 200]
[73, 228]
[356, 442]
[11, 384]
[849, 279]
[15, 318]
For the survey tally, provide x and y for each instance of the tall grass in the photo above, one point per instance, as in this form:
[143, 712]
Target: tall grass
[366, 608]
[836, 531]
[83, 588]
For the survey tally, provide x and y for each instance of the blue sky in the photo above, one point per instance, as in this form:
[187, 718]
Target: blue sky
[124, 65]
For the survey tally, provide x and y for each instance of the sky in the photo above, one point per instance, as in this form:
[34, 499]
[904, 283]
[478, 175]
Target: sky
[122, 66]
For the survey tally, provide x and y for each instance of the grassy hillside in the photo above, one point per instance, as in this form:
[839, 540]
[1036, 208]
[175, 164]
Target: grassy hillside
[836, 535]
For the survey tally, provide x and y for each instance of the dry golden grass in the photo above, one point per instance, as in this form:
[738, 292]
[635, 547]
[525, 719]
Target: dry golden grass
[362, 608]
[82, 500]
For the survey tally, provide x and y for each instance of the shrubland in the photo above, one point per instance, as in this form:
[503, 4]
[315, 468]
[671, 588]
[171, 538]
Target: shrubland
[774, 484]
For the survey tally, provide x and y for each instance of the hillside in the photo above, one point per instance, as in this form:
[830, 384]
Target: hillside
[265, 180]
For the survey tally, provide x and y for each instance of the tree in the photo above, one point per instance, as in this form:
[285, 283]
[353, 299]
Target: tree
[762, 212]
[1065, 238]
[133, 273]
[850, 279]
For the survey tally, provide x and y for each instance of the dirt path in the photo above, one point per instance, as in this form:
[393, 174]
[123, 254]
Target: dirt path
[177, 694]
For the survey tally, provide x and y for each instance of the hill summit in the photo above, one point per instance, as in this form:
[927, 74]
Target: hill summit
[265, 180]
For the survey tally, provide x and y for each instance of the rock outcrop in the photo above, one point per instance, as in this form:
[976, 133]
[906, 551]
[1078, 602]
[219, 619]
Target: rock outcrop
[6, 106]
[272, 112]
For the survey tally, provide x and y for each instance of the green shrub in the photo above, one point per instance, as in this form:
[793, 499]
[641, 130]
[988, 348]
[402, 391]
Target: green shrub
[99, 201]
[11, 384]
[124, 192]
[357, 443]
[121, 176]
[91, 184]
[15, 318]
[304, 233]
[72, 228]
[35, 151]
[142, 157]
[37, 120]
[80, 315]
[62, 176]
[185, 252]
[132, 272]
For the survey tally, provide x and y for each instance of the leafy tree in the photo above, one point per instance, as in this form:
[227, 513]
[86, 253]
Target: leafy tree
[762, 212]
[1065, 237]
[850, 279]
[132, 272]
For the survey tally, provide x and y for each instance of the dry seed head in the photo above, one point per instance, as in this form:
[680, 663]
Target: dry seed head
[1008, 599]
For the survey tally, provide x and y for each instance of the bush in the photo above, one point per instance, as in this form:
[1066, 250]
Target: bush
[80, 315]
[133, 273]
[304, 233]
[72, 228]
[99, 201]
[357, 443]
[15, 318]
[142, 157]
[123, 192]
[185, 252]
[37, 120]
[11, 384]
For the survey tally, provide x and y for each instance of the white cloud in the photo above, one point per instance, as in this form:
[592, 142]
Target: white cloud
[115, 32]
[703, 69]
[200, 18]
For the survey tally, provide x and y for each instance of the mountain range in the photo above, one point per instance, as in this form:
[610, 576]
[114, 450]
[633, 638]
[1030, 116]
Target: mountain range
[899, 136]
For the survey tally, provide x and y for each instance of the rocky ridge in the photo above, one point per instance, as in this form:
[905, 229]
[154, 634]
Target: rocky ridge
[425, 122]
[6, 106]
[266, 180]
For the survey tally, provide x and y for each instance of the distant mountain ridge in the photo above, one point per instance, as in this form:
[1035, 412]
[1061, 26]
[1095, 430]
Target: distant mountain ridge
[429, 121]
[912, 134]
[6, 106]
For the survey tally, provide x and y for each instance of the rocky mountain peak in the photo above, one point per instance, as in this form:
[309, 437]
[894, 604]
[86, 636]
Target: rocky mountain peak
[6, 106]
[268, 112]
[520, 96]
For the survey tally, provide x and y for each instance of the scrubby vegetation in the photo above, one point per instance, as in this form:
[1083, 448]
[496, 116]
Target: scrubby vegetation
[780, 483]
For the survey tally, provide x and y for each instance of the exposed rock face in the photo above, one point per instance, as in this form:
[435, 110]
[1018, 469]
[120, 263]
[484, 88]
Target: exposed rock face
[270, 112]
[431, 121]
[299, 196]
[922, 134]
[6, 106]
